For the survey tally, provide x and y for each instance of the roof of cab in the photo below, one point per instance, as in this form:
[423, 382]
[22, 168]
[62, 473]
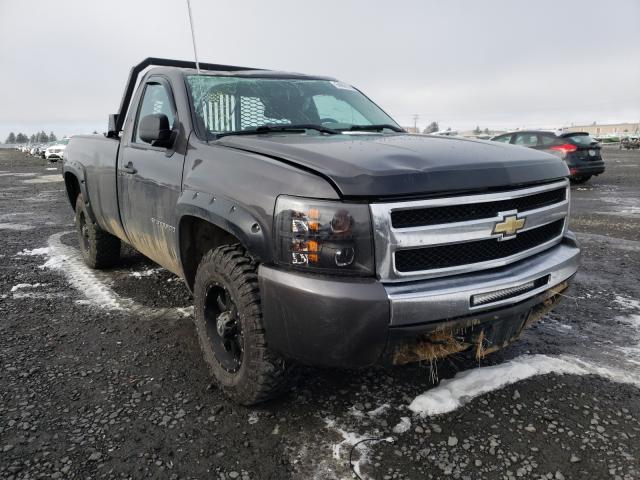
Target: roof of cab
[248, 73]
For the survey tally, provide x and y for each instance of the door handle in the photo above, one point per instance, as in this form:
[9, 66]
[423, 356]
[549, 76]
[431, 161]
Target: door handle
[129, 168]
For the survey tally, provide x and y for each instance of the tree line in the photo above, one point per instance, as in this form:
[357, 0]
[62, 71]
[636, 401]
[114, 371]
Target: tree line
[434, 127]
[39, 137]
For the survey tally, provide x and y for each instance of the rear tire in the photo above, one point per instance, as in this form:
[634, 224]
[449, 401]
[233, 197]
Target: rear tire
[228, 317]
[99, 249]
[580, 179]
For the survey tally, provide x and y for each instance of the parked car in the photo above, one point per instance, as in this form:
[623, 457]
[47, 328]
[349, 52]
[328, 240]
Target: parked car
[56, 151]
[579, 150]
[630, 142]
[312, 229]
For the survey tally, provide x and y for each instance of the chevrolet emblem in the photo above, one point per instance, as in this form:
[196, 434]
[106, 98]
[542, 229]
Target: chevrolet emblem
[509, 226]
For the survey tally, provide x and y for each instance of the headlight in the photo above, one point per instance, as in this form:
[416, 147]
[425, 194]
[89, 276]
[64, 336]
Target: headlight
[321, 235]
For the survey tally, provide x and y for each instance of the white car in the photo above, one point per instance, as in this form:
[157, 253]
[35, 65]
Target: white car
[56, 151]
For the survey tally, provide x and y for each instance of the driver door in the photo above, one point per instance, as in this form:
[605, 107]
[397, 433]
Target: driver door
[150, 180]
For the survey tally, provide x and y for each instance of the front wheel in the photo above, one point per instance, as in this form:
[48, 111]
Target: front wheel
[228, 317]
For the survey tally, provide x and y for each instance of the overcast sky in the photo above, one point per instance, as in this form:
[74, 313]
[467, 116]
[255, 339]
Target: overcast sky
[64, 63]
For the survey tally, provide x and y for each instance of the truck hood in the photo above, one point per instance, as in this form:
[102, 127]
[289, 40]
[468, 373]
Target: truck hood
[376, 165]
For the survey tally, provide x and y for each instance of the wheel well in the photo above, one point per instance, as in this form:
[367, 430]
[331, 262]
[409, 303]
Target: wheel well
[73, 188]
[197, 237]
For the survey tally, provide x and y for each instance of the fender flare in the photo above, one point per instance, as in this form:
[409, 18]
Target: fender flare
[226, 214]
[77, 170]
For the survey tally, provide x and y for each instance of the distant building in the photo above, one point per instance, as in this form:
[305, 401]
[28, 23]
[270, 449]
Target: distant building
[412, 129]
[604, 129]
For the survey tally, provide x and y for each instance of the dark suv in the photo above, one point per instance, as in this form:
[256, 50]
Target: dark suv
[581, 152]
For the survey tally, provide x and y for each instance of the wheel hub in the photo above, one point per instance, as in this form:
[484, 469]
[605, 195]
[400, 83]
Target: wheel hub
[223, 328]
[225, 325]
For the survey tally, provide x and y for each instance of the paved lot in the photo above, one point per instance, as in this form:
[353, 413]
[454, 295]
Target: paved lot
[101, 376]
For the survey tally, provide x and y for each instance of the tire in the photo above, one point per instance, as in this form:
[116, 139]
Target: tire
[226, 290]
[99, 249]
[580, 179]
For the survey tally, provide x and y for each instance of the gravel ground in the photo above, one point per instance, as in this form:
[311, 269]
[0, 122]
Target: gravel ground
[101, 375]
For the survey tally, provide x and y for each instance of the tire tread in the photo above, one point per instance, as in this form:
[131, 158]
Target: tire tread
[267, 375]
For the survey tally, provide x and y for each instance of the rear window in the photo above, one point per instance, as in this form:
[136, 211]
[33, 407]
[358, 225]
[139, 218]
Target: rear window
[584, 140]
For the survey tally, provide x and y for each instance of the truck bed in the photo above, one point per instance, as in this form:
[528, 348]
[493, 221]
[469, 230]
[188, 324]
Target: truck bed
[94, 159]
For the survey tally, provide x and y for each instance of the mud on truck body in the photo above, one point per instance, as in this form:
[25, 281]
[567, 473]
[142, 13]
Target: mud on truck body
[311, 229]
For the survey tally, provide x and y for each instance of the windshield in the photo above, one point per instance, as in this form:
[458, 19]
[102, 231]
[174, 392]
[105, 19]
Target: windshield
[231, 104]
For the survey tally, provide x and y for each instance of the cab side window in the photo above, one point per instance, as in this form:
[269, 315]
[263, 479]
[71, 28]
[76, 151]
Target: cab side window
[527, 139]
[156, 99]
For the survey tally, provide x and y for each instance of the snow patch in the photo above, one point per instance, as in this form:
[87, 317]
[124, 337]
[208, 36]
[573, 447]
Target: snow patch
[342, 449]
[185, 311]
[35, 251]
[402, 426]
[44, 179]
[49, 295]
[627, 303]
[379, 411]
[452, 394]
[56, 261]
[15, 226]
[63, 257]
[145, 273]
[355, 412]
[95, 285]
[26, 285]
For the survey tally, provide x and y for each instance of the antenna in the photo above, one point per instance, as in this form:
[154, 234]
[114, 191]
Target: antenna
[193, 37]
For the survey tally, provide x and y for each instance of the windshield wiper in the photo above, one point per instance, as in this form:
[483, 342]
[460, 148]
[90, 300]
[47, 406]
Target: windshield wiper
[373, 128]
[281, 128]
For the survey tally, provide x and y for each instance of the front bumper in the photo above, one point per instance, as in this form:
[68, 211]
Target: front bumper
[329, 321]
[585, 167]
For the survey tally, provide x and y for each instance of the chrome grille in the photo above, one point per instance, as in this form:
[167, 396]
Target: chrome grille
[447, 236]
[451, 255]
[461, 213]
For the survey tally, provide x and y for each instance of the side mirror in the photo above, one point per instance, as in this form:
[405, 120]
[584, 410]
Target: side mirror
[155, 129]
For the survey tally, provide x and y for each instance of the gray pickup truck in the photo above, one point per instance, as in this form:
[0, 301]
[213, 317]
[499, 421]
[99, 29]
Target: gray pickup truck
[312, 229]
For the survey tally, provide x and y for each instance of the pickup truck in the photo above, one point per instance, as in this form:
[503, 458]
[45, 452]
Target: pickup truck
[311, 229]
